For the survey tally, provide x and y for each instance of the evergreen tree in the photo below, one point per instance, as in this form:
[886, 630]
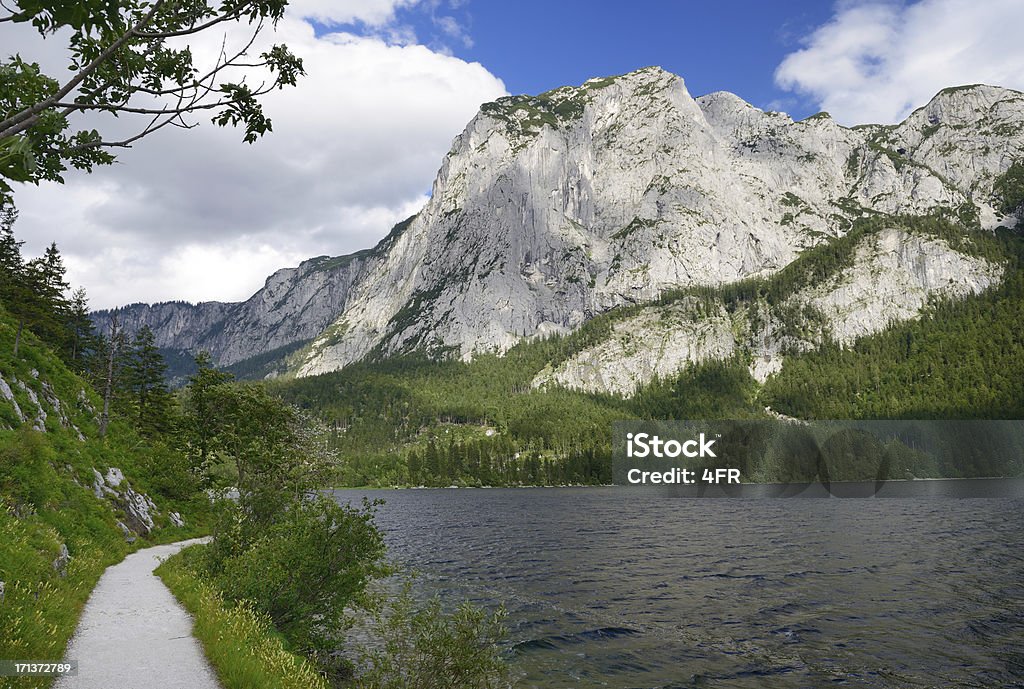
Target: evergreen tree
[82, 339]
[199, 423]
[146, 373]
[11, 263]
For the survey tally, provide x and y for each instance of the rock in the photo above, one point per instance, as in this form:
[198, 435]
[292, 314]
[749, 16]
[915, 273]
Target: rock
[129, 535]
[114, 477]
[176, 519]
[8, 395]
[138, 509]
[83, 401]
[765, 366]
[63, 558]
[653, 344]
[39, 423]
[294, 306]
[99, 486]
[893, 277]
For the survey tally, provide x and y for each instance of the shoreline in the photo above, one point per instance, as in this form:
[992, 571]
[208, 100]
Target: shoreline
[616, 485]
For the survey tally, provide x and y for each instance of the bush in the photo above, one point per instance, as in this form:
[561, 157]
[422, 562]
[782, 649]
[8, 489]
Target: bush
[25, 474]
[240, 642]
[303, 570]
[429, 649]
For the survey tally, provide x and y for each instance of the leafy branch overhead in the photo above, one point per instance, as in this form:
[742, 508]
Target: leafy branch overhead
[132, 58]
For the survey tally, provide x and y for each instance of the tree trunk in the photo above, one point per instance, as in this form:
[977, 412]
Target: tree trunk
[109, 383]
[17, 338]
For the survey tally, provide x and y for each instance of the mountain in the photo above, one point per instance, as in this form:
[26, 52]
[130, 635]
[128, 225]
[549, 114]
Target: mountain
[550, 210]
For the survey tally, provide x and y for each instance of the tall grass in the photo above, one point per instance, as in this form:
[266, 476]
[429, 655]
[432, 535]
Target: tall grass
[239, 642]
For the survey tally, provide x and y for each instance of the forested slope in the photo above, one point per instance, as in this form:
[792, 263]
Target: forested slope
[413, 420]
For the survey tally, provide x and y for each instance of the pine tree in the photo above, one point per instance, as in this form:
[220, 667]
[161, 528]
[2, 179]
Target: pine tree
[82, 340]
[15, 292]
[200, 422]
[146, 376]
[11, 263]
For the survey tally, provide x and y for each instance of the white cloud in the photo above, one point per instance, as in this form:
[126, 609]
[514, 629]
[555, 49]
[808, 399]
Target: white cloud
[335, 13]
[199, 215]
[877, 61]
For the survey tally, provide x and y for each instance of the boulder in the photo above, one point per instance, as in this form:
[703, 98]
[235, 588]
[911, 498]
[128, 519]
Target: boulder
[60, 565]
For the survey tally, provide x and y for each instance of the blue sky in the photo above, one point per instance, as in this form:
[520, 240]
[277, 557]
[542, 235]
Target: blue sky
[535, 45]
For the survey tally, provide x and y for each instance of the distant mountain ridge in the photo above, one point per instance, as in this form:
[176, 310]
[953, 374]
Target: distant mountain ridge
[551, 209]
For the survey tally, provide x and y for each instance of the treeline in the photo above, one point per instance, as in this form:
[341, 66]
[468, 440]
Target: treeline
[497, 462]
[128, 372]
[412, 421]
[964, 360]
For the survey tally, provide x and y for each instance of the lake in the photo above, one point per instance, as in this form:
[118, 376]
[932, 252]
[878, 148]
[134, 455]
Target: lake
[624, 588]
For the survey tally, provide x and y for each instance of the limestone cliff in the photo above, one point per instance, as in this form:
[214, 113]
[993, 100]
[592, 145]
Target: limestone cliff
[549, 210]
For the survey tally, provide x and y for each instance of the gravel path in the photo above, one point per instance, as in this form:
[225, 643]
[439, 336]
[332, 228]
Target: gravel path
[134, 634]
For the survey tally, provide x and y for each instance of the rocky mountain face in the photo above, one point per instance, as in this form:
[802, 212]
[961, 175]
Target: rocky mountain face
[551, 209]
[294, 306]
[892, 276]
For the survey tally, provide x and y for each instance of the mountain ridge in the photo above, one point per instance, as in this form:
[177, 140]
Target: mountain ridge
[551, 209]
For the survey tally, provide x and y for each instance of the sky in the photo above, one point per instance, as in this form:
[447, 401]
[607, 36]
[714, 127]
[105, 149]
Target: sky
[199, 215]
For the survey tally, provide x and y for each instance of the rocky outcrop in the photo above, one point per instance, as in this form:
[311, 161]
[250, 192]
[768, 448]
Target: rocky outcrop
[39, 421]
[138, 509]
[656, 343]
[549, 210]
[32, 408]
[60, 565]
[892, 277]
[7, 395]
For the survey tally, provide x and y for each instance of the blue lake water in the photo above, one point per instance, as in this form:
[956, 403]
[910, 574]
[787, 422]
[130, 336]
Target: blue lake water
[613, 587]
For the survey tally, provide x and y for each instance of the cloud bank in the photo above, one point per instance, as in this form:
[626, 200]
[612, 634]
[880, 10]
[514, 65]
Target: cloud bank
[875, 62]
[198, 215]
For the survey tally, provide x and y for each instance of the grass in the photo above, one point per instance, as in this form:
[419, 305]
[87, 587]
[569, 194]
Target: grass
[40, 608]
[46, 502]
[240, 643]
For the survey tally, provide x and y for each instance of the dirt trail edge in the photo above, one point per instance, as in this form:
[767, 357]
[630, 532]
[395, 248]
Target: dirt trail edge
[134, 634]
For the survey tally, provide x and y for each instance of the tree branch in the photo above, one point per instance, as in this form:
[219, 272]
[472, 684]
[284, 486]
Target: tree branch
[26, 118]
[223, 62]
[234, 13]
[263, 89]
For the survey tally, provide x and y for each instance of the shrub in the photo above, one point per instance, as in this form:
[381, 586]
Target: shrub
[240, 642]
[430, 649]
[303, 570]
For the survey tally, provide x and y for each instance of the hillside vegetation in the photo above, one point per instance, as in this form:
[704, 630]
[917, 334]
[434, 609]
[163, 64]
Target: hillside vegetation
[97, 458]
[85, 477]
[413, 420]
[56, 536]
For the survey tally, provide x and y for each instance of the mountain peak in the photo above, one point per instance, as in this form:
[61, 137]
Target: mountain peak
[552, 208]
